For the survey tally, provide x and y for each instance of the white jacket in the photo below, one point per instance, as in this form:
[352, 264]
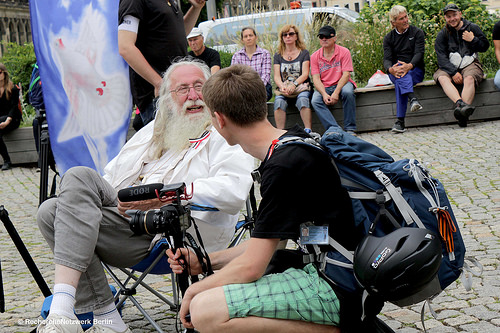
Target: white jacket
[220, 175]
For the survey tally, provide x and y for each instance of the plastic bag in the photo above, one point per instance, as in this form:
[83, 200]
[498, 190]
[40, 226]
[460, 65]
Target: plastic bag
[378, 79]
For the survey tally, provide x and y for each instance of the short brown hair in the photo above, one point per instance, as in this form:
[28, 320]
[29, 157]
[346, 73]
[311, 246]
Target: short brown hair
[238, 93]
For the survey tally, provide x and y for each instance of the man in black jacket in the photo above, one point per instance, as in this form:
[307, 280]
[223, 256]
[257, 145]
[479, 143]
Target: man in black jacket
[404, 48]
[456, 48]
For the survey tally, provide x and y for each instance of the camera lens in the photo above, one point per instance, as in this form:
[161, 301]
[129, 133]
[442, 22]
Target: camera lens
[145, 222]
[154, 221]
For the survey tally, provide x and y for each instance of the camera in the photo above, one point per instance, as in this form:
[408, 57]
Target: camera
[169, 219]
[172, 219]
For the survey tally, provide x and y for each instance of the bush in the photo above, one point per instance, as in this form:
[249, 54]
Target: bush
[367, 46]
[19, 60]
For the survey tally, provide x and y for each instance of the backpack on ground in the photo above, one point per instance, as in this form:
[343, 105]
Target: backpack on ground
[385, 195]
[35, 95]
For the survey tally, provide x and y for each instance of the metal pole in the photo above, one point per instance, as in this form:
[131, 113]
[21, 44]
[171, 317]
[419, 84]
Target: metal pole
[211, 10]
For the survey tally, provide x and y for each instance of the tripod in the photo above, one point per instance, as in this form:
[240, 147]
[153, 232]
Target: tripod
[46, 158]
[4, 216]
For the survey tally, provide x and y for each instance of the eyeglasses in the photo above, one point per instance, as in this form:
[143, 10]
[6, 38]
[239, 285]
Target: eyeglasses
[184, 90]
[291, 34]
[1, 71]
[325, 37]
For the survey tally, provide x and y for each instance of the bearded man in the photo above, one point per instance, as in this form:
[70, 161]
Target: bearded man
[86, 224]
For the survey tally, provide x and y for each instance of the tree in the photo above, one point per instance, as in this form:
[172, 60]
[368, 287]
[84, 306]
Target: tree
[367, 49]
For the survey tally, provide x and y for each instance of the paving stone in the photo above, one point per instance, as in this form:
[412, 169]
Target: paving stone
[465, 160]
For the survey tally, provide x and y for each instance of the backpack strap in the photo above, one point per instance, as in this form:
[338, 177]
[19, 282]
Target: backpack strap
[408, 213]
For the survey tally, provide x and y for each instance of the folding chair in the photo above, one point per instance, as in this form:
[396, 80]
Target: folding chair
[156, 263]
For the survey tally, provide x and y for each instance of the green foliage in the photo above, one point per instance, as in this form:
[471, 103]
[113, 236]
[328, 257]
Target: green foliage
[225, 58]
[367, 46]
[19, 60]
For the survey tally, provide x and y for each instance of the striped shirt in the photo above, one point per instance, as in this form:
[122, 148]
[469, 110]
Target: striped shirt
[261, 62]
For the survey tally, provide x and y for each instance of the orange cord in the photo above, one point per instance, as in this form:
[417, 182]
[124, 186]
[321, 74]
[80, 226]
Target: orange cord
[446, 228]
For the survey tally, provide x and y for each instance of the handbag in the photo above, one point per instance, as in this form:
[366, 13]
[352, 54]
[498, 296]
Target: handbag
[300, 88]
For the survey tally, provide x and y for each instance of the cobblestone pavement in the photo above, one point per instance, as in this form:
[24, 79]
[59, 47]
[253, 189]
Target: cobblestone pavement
[466, 160]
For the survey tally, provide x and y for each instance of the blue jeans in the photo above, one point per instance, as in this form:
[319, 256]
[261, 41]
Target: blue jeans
[348, 104]
[496, 80]
[403, 86]
[301, 101]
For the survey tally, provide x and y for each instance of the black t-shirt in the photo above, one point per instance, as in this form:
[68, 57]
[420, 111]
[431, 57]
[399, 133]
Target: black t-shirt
[300, 184]
[161, 38]
[210, 56]
[496, 31]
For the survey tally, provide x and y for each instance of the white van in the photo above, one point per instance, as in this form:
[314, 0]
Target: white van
[223, 34]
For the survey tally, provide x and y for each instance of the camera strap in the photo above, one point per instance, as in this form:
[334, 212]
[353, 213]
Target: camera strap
[199, 250]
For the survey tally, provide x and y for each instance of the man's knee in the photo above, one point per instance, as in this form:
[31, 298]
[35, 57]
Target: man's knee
[79, 172]
[45, 216]
[348, 90]
[469, 81]
[209, 309]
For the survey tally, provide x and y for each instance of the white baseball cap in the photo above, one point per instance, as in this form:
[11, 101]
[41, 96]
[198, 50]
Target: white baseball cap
[194, 33]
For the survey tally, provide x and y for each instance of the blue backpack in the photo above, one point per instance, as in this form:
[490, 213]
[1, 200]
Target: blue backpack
[35, 95]
[403, 191]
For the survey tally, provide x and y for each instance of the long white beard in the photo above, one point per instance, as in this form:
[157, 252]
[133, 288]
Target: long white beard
[173, 127]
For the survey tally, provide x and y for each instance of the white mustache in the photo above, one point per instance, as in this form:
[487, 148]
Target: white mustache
[190, 103]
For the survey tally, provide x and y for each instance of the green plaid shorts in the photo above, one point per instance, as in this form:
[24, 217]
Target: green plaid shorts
[296, 294]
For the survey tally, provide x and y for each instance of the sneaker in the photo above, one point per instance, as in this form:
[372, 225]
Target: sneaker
[399, 127]
[104, 329]
[462, 112]
[59, 324]
[415, 105]
[6, 166]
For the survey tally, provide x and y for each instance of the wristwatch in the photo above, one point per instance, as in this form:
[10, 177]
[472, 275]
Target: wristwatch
[295, 83]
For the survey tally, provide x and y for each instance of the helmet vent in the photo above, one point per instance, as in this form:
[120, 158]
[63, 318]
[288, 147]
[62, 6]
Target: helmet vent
[401, 242]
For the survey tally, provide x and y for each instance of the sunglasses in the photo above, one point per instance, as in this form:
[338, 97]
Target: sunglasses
[325, 37]
[1, 71]
[291, 34]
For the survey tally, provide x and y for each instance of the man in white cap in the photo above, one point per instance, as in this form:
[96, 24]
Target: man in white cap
[199, 51]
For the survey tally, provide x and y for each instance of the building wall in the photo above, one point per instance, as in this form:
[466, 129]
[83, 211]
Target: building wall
[15, 24]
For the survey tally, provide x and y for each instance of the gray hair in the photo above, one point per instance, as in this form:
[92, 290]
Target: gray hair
[185, 61]
[395, 12]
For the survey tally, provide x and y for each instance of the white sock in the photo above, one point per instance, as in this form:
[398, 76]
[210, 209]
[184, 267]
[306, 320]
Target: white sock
[63, 300]
[109, 316]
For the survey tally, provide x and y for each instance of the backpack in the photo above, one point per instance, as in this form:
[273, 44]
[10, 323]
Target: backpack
[403, 194]
[35, 95]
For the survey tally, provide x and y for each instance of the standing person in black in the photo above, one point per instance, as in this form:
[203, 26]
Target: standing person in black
[404, 48]
[151, 34]
[10, 115]
[299, 184]
[199, 51]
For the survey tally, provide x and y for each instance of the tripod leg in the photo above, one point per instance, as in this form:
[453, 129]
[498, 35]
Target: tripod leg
[4, 216]
[44, 163]
[2, 298]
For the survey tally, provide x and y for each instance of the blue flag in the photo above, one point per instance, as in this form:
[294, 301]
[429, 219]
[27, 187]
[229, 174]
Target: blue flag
[85, 80]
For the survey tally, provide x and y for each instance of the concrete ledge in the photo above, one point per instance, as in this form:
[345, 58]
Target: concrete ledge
[376, 108]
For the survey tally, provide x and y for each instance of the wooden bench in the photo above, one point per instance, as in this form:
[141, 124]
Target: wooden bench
[376, 107]
[21, 145]
[375, 110]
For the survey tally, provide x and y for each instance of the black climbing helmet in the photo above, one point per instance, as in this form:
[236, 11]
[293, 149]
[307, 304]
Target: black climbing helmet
[399, 264]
